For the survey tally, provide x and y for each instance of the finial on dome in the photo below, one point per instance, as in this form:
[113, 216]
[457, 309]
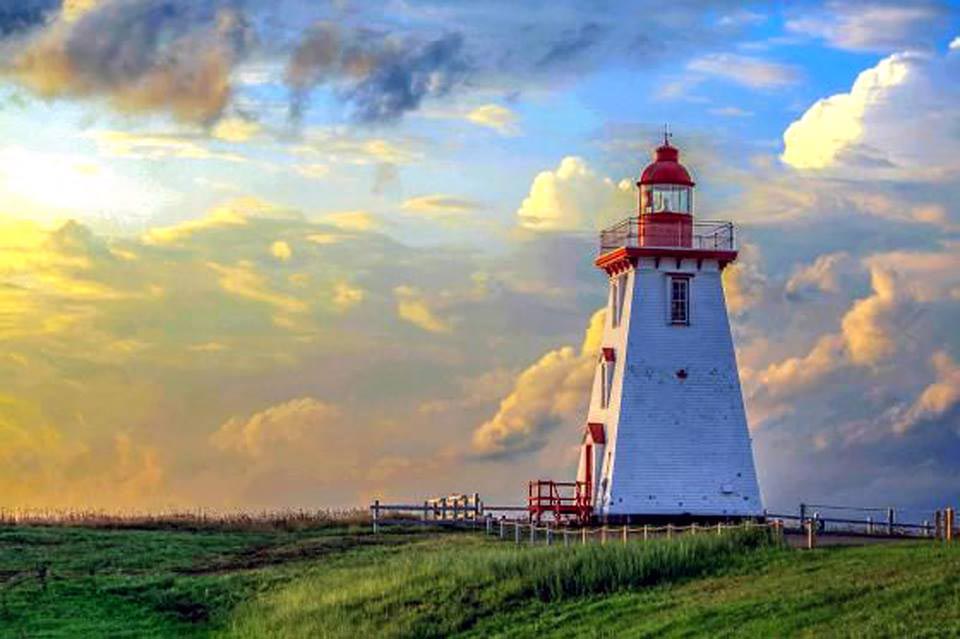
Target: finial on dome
[666, 134]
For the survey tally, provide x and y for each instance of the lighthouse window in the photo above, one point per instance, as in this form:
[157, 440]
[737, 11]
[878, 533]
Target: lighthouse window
[618, 292]
[606, 382]
[668, 198]
[679, 300]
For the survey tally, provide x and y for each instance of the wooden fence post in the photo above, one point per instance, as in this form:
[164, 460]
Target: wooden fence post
[489, 524]
[719, 529]
[693, 529]
[646, 532]
[533, 533]
[890, 519]
[938, 525]
[501, 529]
[549, 536]
[950, 516]
[625, 533]
[376, 517]
[566, 537]
[476, 505]
[803, 515]
[516, 532]
[443, 508]
[811, 535]
[869, 525]
[583, 536]
[603, 535]
[669, 531]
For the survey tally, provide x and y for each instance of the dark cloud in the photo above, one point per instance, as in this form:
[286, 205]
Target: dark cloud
[143, 55]
[379, 77]
[572, 44]
[19, 15]
[381, 60]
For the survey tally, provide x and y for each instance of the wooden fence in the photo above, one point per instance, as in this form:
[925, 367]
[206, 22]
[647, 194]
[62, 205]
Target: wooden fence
[531, 533]
[472, 512]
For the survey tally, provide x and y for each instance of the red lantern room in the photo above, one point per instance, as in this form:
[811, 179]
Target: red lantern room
[666, 200]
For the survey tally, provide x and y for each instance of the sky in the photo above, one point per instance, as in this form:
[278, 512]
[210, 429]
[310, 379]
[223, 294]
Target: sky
[305, 254]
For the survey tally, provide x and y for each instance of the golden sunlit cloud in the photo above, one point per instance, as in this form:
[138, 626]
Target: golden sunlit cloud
[413, 308]
[281, 250]
[574, 197]
[236, 130]
[438, 204]
[496, 117]
[352, 221]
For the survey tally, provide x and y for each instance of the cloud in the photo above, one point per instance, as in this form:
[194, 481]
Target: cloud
[872, 26]
[496, 117]
[174, 57]
[438, 204]
[552, 392]
[283, 426]
[745, 70]
[889, 125]
[379, 78]
[352, 220]
[574, 197]
[147, 146]
[281, 250]
[236, 130]
[412, 307]
[339, 147]
[21, 15]
[823, 275]
[938, 399]
[743, 281]
[234, 213]
[346, 296]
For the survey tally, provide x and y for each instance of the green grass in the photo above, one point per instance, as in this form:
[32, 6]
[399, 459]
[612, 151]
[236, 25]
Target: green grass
[344, 582]
[442, 588]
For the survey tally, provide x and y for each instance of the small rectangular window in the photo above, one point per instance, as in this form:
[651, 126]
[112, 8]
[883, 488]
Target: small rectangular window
[621, 292]
[614, 296]
[680, 300]
[606, 382]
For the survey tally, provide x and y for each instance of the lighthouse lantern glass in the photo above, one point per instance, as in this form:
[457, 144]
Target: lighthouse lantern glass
[667, 198]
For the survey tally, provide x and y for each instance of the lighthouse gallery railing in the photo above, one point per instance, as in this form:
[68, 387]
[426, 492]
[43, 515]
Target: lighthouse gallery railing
[699, 236]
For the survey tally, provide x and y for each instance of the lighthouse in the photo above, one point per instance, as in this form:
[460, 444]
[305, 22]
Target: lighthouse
[666, 434]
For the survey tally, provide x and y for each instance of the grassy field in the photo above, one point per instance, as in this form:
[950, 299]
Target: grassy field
[341, 581]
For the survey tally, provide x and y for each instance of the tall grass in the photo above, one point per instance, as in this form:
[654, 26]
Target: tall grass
[438, 591]
[234, 521]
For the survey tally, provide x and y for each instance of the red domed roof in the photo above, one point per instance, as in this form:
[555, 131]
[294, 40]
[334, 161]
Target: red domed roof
[666, 168]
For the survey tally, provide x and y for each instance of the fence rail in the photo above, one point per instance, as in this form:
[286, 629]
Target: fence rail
[700, 235]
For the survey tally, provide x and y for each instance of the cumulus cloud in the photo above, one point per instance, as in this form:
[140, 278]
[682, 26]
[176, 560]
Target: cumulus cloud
[552, 392]
[794, 375]
[889, 125]
[823, 275]
[380, 77]
[871, 26]
[284, 425]
[936, 400]
[574, 197]
[175, 56]
[744, 281]
[747, 71]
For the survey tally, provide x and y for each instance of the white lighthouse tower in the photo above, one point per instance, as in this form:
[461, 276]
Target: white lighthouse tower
[666, 434]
